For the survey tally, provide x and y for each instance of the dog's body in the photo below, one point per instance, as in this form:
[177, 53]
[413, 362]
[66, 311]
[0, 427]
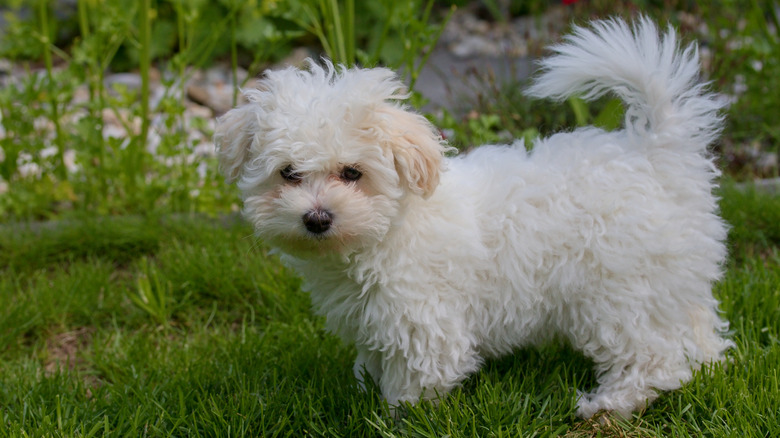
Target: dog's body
[608, 240]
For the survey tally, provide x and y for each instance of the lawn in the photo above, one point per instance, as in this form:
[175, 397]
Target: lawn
[183, 325]
[134, 303]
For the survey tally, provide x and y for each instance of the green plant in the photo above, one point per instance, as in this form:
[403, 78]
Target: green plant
[499, 112]
[396, 34]
[45, 35]
[334, 26]
[609, 116]
[502, 11]
[746, 63]
[89, 169]
[73, 142]
[153, 294]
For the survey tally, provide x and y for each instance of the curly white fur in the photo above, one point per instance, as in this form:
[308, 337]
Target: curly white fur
[609, 240]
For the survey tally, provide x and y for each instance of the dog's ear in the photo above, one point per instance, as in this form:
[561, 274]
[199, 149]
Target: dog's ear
[234, 135]
[416, 147]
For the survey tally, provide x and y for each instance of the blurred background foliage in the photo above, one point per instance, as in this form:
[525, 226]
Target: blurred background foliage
[60, 98]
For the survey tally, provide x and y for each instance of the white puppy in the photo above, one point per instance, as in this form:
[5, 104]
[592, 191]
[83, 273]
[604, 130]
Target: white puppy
[607, 240]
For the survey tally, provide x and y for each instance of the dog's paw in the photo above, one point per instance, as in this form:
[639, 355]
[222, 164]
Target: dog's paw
[586, 408]
[588, 405]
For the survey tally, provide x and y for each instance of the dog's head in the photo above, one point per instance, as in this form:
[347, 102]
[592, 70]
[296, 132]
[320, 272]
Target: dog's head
[324, 157]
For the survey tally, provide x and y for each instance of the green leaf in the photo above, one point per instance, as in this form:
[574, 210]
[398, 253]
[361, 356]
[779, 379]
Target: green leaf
[580, 108]
[611, 116]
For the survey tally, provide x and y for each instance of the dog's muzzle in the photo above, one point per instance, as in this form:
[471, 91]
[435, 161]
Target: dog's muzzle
[317, 221]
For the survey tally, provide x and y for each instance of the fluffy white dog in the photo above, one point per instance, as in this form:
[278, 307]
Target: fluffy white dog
[608, 240]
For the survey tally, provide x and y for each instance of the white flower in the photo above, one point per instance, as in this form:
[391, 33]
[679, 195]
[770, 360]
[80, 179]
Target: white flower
[70, 161]
[739, 85]
[202, 170]
[48, 152]
[29, 170]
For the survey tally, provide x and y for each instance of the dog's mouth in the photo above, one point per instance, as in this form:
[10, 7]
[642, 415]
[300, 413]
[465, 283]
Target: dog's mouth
[307, 244]
[319, 237]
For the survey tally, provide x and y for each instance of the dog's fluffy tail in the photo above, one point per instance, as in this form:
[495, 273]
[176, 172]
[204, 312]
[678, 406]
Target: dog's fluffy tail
[656, 78]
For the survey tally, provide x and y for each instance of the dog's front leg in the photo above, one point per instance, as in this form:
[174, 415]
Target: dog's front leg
[428, 362]
[368, 365]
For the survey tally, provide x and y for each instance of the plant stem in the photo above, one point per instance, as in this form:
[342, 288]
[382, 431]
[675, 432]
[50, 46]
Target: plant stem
[331, 13]
[43, 9]
[144, 67]
[383, 34]
[94, 76]
[84, 29]
[350, 29]
[184, 43]
[234, 59]
[415, 71]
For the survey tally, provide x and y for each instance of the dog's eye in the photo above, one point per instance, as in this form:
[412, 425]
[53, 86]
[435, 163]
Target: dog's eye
[289, 174]
[350, 174]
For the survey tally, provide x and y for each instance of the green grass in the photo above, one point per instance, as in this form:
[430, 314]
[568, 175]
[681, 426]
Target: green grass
[185, 326]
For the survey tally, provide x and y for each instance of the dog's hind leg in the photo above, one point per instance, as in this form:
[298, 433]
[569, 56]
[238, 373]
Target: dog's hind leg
[629, 387]
[636, 352]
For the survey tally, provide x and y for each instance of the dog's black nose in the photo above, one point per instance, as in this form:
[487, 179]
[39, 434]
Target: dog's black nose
[318, 221]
